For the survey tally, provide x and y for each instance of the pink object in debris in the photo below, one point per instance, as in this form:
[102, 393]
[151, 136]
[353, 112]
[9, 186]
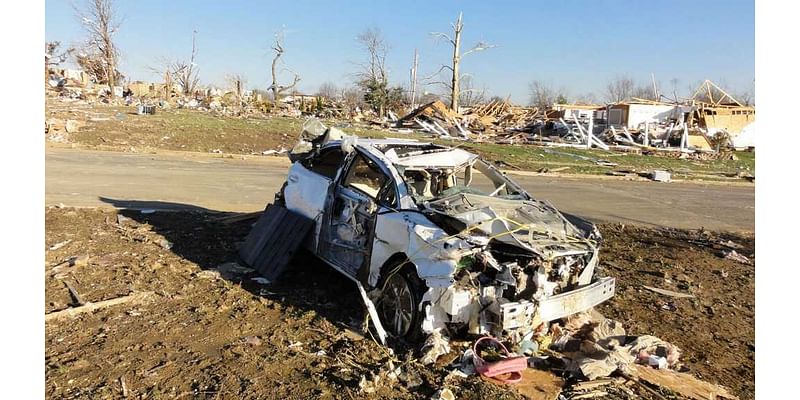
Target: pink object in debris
[511, 365]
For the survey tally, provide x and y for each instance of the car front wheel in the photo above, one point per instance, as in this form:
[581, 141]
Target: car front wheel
[398, 307]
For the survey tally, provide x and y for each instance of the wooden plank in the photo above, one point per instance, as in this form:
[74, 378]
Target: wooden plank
[89, 307]
[535, 384]
[591, 384]
[670, 293]
[681, 383]
[76, 298]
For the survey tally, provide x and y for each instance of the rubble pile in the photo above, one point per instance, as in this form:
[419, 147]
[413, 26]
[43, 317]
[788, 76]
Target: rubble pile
[499, 117]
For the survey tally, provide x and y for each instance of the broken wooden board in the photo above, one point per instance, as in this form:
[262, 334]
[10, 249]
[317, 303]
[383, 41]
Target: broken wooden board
[536, 384]
[681, 383]
[669, 293]
[274, 239]
[90, 307]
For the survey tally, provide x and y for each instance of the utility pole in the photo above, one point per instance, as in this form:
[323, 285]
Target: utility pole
[414, 80]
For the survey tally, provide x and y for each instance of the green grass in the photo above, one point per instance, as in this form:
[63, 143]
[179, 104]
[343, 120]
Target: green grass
[530, 157]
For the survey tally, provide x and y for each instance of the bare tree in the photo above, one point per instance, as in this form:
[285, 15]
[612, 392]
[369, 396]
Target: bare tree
[352, 97]
[329, 91]
[100, 55]
[277, 89]
[185, 72]
[543, 95]
[746, 97]
[373, 77]
[372, 41]
[644, 92]
[586, 98]
[674, 84]
[469, 95]
[455, 41]
[619, 89]
[54, 56]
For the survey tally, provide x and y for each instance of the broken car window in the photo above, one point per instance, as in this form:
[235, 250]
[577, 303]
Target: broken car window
[365, 176]
[474, 178]
[327, 163]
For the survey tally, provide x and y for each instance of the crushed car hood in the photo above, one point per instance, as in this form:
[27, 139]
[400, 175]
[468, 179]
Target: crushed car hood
[529, 224]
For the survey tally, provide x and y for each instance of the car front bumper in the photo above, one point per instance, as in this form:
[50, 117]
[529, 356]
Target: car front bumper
[578, 300]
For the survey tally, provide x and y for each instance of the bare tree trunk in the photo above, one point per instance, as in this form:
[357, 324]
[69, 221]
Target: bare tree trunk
[99, 21]
[278, 52]
[167, 84]
[454, 93]
[277, 90]
[111, 70]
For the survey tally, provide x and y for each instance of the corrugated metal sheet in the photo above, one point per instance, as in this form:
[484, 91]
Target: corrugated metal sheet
[274, 239]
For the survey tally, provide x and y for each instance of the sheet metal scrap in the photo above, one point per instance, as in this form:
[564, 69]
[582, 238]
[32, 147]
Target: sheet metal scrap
[274, 239]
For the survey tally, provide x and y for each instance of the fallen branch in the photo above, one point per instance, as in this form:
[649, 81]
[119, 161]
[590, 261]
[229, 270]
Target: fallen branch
[89, 307]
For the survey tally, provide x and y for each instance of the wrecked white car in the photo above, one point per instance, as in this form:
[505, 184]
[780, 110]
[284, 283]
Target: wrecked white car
[439, 238]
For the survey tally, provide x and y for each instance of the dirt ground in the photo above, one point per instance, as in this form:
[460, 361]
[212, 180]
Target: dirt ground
[207, 334]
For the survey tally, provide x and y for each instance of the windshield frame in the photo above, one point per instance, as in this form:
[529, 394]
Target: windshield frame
[497, 177]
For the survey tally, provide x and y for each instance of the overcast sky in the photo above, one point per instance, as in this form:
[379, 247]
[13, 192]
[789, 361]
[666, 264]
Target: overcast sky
[577, 45]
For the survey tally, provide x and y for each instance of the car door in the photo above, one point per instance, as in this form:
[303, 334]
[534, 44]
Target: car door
[308, 188]
[364, 188]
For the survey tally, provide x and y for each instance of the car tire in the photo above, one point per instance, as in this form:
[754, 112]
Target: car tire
[399, 303]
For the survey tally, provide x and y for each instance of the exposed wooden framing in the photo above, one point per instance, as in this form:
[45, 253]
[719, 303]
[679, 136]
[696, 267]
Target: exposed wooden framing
[709, 86]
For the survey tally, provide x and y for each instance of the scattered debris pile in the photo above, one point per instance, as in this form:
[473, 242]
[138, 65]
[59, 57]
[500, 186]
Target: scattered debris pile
[437, 119]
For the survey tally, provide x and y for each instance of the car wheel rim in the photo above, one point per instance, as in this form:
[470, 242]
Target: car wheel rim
[397, 306]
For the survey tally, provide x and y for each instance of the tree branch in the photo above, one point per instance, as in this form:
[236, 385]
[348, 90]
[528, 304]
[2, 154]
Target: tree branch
[440, 35]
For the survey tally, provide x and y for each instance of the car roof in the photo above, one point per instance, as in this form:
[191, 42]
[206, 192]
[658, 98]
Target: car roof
[413, 153]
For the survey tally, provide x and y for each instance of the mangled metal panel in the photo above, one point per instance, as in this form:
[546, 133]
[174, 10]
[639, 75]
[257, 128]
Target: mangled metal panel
[423, 243]
[445, 158]
[273, 241]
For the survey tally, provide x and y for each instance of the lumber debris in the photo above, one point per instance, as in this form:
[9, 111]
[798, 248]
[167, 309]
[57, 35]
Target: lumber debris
[669, 293]
[90, 307]
[682, 383]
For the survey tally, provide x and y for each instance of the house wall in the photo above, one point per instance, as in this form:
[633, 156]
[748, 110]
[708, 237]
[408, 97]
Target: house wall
[638, 114]
[618, 114]
[732, 120]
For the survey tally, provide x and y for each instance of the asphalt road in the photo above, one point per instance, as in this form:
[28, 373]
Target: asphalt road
[180, 180]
